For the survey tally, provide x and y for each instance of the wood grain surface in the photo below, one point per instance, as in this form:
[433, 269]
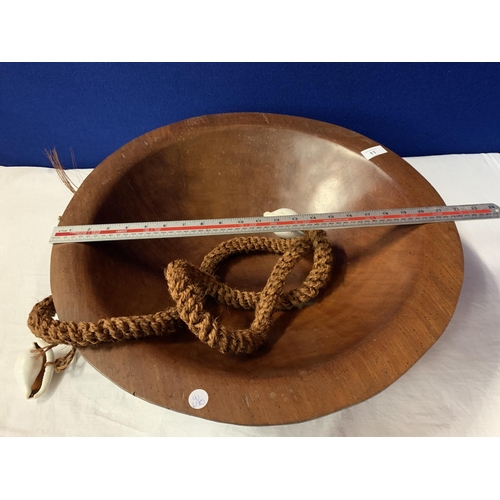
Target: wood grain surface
[392, 293]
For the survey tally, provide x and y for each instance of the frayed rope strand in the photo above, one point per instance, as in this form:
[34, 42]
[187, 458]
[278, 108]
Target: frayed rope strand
[53, 157]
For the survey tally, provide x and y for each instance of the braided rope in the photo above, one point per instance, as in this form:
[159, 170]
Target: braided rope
[188, 285]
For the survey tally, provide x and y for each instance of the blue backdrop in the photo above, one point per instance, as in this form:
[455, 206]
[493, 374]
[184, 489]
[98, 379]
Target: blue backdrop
[413, 108]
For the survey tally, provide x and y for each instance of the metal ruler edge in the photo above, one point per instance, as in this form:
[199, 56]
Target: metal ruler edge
[245, 225]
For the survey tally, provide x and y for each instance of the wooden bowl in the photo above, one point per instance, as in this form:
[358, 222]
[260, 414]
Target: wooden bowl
[392, 293]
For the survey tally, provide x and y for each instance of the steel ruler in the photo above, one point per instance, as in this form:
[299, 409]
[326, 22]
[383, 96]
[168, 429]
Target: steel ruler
[260, 224]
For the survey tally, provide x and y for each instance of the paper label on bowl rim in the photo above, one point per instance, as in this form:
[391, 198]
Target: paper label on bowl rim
[198, 399]
[372, 152]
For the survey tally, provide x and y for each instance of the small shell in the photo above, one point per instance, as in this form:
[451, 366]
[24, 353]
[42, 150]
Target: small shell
[32, 372]
[285, 211]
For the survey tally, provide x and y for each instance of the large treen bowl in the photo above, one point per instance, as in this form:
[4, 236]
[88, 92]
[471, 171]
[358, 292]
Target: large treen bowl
[392, 292]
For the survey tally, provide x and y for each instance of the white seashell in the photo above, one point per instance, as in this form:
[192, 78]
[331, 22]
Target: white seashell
[32, 372]
[285, 211]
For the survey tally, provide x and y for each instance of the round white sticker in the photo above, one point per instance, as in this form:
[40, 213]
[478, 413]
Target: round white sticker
[198, 399]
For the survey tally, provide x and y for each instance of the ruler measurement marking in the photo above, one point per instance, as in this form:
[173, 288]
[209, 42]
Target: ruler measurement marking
[161, 229]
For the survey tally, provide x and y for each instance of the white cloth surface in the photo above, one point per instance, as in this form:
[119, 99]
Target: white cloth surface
[453, 390]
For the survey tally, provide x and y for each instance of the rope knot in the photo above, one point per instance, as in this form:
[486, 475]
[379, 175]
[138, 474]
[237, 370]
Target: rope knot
[188, 286]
